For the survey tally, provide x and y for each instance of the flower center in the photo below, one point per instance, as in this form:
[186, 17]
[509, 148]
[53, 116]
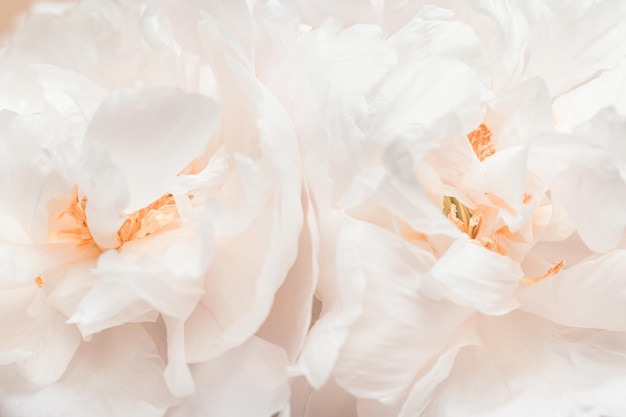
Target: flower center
[470, 222]
[149, 219]
[71, 222]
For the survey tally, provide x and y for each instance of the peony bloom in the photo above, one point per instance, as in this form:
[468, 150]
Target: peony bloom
[465, 245]
[150, 209]
[321, 208]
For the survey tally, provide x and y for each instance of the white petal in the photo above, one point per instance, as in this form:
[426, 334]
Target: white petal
[74, 97]
[520, 113]
[151, 135]
[589, 294]
[399, 330]
[20, 91]
[587, 36]
[249, 381]
[54, 346]
[424, 92]
[273, 221]
[470, 275]
[341, 299]
[528, 366]
[33, 336]
[30, 169]
[116, 374]
[584, 179]
[422, 391]
[177, 373]
[162, 272]
[291, 314]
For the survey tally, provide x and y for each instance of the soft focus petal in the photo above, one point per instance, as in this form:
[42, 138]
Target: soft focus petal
[250, 381]
[116, 373]
[587, 183]
[142, 131]
[528, 366]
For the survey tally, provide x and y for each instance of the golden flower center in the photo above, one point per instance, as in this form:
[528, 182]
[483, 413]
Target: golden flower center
[71, 222]
[470, 222]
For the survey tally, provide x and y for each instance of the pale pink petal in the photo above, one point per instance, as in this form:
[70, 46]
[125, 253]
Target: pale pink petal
[399, 330]
[30, 169]
[587, 183]
[163, 271]
[528, 366]
[292, 311]
[116, 374]
[340, 289]
[520, 113]
[331, 401]
[590, 294]
[151, 135]
[249, 380]
[470, 275]
[34, 336]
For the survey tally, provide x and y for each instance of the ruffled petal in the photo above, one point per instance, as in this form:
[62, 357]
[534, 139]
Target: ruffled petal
[116, 374]
[399, 330]
[35, 337]
[528, 366]
[162, 272]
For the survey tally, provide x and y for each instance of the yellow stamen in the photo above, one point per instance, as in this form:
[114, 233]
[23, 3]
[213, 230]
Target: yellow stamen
[550, 273]
[470, 222]
[148, 219]
[527, 198]
[493, 245]
[466, 220]
[480, 139]
[71, 222]
[39, 282]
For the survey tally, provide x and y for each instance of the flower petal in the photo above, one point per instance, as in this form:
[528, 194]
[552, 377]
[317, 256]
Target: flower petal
[116, 374]
[249, 380]
[152, 134]
[473, 276]
[528, 366]
[589, 294]
[399, 330]
[585, 180]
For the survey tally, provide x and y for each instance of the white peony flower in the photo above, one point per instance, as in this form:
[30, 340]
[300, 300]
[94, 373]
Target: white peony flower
[313, 208]
[447, 206]
[150, 209]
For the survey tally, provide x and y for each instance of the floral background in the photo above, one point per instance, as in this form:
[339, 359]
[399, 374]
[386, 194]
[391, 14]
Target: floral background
[331, 208]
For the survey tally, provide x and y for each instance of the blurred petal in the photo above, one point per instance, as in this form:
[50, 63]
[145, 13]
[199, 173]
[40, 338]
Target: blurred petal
[583, 179]
[528, 366]
[116, 374]
[590, 294]
[249, 380]
[141, 131]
